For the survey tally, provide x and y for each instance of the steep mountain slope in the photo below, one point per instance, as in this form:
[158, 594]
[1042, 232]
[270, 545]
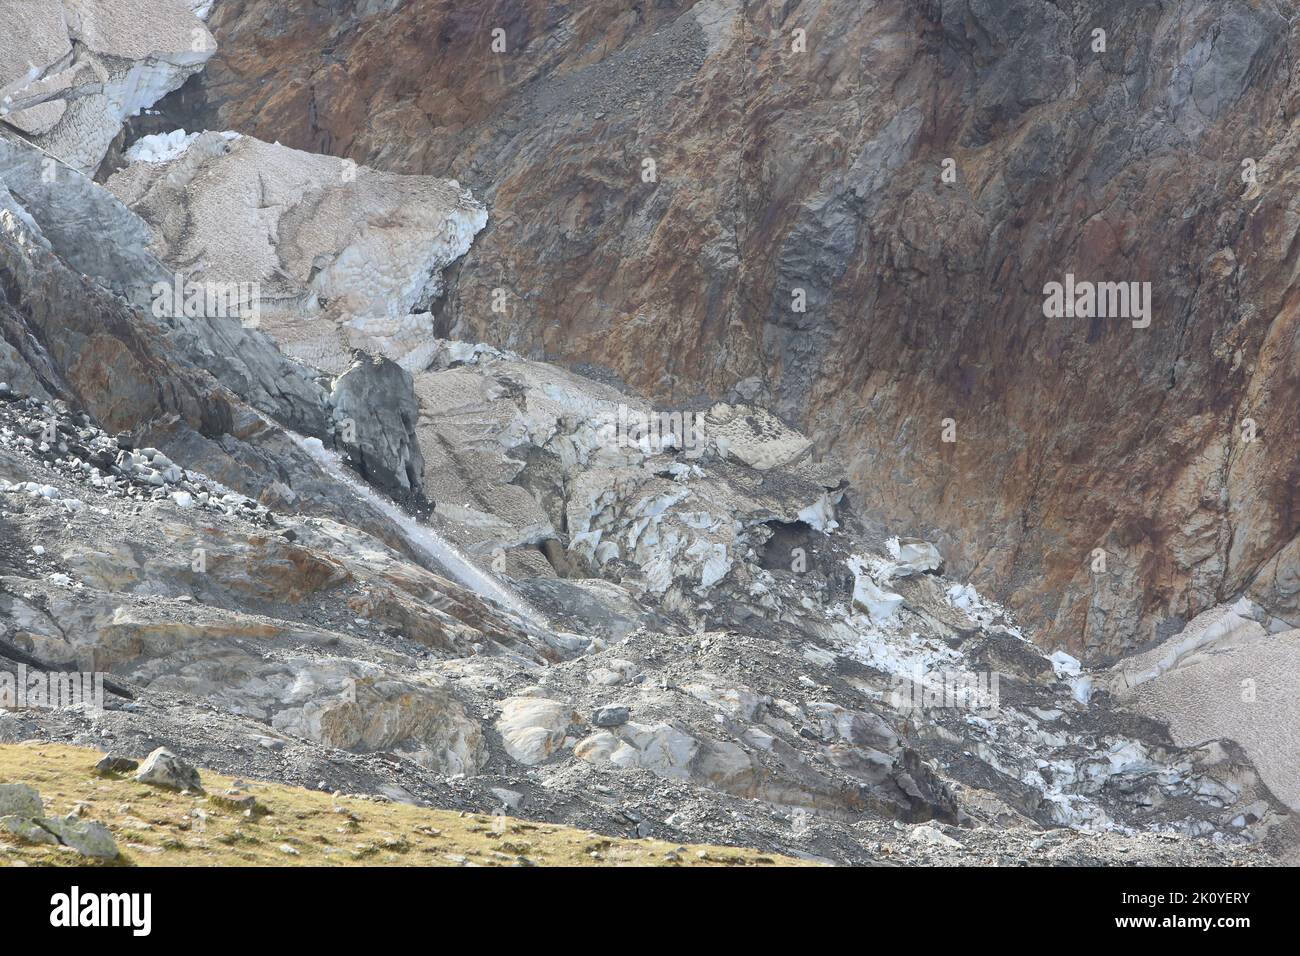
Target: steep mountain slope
[802, 146]
[699, 624]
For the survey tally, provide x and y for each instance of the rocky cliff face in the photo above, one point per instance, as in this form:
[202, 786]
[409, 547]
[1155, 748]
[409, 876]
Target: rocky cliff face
[912, 175]
[691, 623]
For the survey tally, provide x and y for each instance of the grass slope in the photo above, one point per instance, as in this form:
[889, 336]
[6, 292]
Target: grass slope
[156, 827]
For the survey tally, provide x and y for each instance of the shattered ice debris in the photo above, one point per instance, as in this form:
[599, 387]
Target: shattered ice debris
[1065, 807]
[36, 490]
[965, 598]
[878, 603]
[913, 556]
[901, 654]
[1078, 812]
[1069, 669]
[820, 515]
[164, 147]
[160, 147]
[1065, 778]
[715, 563]
[49, 492]
[1065, 664]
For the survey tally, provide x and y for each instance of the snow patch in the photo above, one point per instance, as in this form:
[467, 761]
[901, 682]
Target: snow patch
[1069, 669]
[164, 147]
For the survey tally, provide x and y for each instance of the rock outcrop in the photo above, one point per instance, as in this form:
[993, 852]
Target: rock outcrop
[22, 813]
[375, 412]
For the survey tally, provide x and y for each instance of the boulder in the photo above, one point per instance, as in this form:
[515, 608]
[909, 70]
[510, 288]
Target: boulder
[533, 728]
[162, 768]
[18, 799]
[611, 715]
[28, 829]
[85, 836]
[376, 396]
[115, 763]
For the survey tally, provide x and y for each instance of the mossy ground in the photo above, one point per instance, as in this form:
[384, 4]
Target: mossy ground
[157, 827]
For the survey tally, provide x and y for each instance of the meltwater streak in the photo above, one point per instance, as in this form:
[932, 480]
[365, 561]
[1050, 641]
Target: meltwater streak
[423, 539]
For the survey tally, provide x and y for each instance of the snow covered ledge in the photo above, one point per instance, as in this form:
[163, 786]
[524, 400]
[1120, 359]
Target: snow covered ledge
[71, 71]
[1232, 673]
[341, 256]
[1218, 627]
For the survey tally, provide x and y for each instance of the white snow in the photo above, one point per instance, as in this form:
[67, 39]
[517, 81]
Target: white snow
[879, 604]
[1069, 669]
[964, 597]
[820, 515]
[1065, 665]
[164, 147]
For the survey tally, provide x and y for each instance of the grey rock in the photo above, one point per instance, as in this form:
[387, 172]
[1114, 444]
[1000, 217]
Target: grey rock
[162, 768]
[25, 828]
[83, 222]
[96, 234]
[1228, 56]
[85, 836]
[612, 715]
[377, 396]
[238, 801]
[115, 763]
[19, 799]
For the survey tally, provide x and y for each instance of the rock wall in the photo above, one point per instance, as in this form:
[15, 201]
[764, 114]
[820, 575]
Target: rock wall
[800, 152]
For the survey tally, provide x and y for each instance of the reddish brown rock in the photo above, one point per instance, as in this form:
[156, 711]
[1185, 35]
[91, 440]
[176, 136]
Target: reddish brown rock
[779, 170]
